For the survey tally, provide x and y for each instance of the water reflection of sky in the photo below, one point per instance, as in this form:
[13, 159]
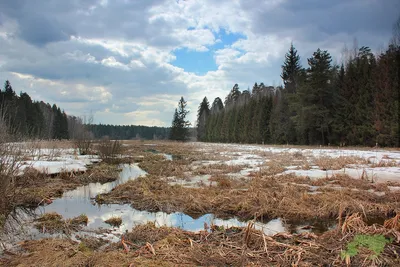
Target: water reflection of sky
[78, 201]
[128, 172]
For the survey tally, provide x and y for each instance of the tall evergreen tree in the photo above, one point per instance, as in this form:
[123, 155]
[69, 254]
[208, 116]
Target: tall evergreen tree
[202, 116]
[315, 99]
[387, 97]
[180, 126]
[291, 70]
[232, 98]
[217, 105]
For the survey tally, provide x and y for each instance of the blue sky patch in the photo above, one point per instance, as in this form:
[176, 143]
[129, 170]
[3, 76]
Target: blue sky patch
[193, 61]
[227, 39]
[201, 62]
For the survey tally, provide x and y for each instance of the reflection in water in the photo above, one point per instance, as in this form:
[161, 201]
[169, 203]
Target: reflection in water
[79, 201]
[128, 172]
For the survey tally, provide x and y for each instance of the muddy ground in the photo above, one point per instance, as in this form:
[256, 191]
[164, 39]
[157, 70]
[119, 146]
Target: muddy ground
[250, 184]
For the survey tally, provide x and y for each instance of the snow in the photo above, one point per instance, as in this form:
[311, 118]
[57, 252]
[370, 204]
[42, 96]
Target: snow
[193, 182]
[55, 160]
[252, 157]
[257, 155]
[381, 174]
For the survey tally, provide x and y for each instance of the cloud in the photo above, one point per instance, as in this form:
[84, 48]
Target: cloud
[116, 58]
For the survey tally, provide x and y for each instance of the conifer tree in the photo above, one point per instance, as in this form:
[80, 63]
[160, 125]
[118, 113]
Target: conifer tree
[202, 116]
[180, 126]
[291, 70]
[315, 98]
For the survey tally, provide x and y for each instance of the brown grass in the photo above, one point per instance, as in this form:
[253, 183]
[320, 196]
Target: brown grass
[114, 221]
[329, 163]
[147, 245]
[263, 197]
[222, 181]
[218, 168]
[393, 223]
[156, 164]
[33, 186]
[53, 223]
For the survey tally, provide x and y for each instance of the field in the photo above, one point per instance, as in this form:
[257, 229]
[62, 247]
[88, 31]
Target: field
[191, 204]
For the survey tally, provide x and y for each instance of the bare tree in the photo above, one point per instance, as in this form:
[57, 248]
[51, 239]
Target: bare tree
[396, 33]
[10, 162]
[83, 137]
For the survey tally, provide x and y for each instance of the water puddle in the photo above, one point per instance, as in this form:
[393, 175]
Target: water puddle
[80, 201]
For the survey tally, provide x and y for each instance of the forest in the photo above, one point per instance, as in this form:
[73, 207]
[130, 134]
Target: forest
[355, 103]
[25, 119]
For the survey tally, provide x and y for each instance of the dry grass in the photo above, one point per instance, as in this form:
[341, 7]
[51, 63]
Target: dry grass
[222, 181]
[345, 181]
[114, 221]
[329, 163]
[147, 245]
[34, 187]
[385, 163]
[156, 164]
[218, 168]
[263, 197]
[53, 223]
[393, 223]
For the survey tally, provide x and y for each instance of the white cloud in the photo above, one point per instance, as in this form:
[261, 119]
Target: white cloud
[116, 58]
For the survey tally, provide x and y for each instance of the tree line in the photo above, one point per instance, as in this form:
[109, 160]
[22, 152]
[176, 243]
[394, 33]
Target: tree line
[355, 103]
[24, 118]
[126, 132]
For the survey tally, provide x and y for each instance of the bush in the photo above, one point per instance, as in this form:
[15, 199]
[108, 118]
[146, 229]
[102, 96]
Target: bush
[109, 150]
[10, 162]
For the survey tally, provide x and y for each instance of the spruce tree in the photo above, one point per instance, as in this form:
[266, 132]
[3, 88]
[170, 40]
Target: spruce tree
[202, 115]
[180, 126]
[315, 98]
[291, 69]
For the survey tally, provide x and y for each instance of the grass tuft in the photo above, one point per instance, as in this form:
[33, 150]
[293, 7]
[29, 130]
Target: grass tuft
[114, 221]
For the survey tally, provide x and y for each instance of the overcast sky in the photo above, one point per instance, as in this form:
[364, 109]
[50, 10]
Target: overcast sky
[129, 62]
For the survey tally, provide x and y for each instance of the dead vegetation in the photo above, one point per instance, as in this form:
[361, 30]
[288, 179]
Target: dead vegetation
[329, 163]
[110, 151]
[262, 197]
[218, 169]
[157, 164]
[148, 245]
[54, 223]
[34, 188]
[114, 221]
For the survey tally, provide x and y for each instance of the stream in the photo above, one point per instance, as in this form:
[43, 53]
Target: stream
[80, 201]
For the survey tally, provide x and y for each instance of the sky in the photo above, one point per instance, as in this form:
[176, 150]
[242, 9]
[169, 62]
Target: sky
[129, 62]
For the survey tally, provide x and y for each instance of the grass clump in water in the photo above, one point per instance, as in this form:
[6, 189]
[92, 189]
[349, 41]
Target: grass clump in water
[80, 220]
[114, 221]
[53, 223]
